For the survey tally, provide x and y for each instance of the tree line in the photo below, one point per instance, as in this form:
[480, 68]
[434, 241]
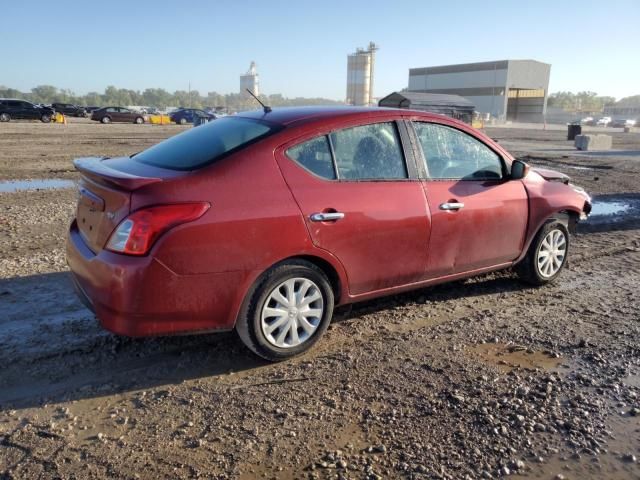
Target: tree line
[156, 97]
[161, 98]
[588, 101]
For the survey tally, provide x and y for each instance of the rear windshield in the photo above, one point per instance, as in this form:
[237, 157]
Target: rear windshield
[205, 144]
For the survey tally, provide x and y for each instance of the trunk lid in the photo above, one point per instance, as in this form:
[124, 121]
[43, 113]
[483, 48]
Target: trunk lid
[105, 191]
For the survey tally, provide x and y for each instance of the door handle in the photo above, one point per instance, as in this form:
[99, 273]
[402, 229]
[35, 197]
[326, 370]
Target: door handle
[451, 206]
[326, 217]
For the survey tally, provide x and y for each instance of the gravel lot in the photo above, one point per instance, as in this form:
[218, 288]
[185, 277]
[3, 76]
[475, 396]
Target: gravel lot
[483, 378]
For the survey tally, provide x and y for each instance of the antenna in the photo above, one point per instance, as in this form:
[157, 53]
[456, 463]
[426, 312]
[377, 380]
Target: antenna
[266, 108]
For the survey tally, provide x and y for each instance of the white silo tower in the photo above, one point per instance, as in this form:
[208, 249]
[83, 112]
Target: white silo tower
[250, 80]
[360, 76]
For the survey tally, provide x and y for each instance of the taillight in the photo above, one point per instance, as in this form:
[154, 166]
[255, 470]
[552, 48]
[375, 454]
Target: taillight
[137, 233]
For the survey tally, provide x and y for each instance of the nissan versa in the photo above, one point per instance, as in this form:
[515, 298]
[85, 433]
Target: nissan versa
[264, 221]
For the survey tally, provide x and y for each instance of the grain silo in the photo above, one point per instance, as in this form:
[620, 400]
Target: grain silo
[360, 76]
[250, 81]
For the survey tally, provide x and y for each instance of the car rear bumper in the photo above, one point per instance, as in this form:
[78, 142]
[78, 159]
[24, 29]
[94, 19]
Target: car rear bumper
[140, 296]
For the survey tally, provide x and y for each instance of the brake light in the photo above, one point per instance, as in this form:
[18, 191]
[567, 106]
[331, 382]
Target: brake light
[137, 233]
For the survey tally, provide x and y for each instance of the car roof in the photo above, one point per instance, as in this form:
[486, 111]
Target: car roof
[292, 115]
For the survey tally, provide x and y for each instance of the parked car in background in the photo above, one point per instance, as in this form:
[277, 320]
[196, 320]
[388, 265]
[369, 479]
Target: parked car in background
[603, 122]
[622, 122]
[264, 221]
[188, 115]
[70, 109]
[118, 114]
[91, 109]
[15, 109]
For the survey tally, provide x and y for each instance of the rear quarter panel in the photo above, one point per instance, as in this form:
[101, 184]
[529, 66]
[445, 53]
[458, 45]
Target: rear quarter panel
[253, 223]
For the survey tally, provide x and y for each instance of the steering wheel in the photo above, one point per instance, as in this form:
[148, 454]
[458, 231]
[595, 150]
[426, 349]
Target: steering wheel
[453, 171]
[436, 166]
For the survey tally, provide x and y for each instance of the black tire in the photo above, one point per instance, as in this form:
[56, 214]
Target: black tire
[139, 121]
[183, 121]
[249, 321]
[5, 117]
[528, 269]
[105, 119]
[45, 118]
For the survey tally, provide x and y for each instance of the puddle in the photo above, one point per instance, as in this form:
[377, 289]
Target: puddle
[508, 357]
[604, 207]
[612, 211]
[12, 186]
[610, 464]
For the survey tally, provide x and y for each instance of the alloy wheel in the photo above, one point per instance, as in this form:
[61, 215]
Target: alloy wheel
[551, 253]
[292, 312]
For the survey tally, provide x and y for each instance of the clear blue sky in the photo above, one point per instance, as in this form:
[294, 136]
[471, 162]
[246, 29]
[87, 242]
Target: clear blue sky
[301, 46]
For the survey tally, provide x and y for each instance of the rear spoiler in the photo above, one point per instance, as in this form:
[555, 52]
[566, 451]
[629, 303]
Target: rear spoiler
[96, 169]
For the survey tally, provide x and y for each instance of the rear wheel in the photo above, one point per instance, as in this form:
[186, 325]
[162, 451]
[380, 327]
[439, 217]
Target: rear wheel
[183, 121]
[4, 117]
[45, 118]
[139, 120]
[105, 120]
[547, 254]
[287, 311]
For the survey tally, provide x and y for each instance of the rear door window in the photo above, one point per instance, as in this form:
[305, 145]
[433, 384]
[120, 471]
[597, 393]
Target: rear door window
[201, 146]
[314, 156]
[369, 152]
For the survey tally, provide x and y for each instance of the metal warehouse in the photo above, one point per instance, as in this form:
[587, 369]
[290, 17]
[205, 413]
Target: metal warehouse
[514, 90]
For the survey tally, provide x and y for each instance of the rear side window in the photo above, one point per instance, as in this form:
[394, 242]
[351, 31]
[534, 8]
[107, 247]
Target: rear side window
[315, 156]
[369, 152]
[205, 144]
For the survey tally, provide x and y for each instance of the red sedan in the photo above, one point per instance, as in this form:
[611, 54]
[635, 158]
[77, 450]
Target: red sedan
[265, 221]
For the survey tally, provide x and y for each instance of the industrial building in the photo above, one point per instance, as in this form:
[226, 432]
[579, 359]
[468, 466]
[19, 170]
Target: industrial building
[250, 81]
[360, 76]
[513, 90]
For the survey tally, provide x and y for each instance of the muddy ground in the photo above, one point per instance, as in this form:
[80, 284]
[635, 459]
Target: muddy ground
[481, 378]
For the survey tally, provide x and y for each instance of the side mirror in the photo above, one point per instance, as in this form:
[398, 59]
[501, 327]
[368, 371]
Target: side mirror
[519, 170]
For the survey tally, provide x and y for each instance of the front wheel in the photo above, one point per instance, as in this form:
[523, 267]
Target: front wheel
[4, 117]
[139, 120]
[105, 120]
[46, 118]
[547, 254]
[287, 311]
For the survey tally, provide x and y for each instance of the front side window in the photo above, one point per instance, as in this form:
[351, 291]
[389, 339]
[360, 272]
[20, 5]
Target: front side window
[369, 152]
[315, 156]
[201, 146]
[452, 154]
